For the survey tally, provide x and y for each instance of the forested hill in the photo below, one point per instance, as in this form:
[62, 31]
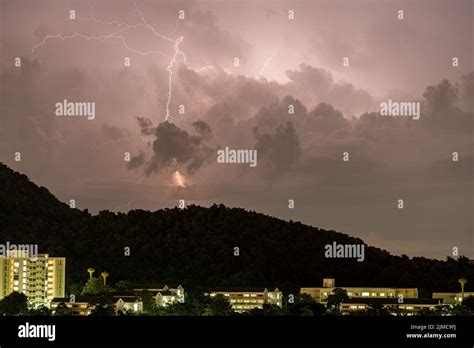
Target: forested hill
[195, 246]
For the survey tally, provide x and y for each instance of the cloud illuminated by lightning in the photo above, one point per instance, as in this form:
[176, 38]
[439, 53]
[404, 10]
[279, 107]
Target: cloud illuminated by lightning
[265, 66]
[117, 35]
[178, 179]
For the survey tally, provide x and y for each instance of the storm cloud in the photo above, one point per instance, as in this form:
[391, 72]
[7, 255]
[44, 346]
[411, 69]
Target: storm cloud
[289, 98]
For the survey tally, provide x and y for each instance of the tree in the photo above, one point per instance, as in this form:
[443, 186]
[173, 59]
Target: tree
[62, 310]
[219, 305]
[14, 304]
[336, 298]
[103, 310]
[306, 305]
[93, 287]
[468, 302]
[123, 285]
[149, 303]
[268, 310]
[40, 311]
[376, 309]
[102, 303]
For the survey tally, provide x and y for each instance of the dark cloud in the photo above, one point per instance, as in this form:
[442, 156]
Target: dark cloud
[174, 146]
[146, 126]
[279, 150]
[466, 88]
[441, 97]
[112, 132]
[209, 43]
[136, 161]
[325, 119]
[313, 85]
[203, 130]
[299, 154]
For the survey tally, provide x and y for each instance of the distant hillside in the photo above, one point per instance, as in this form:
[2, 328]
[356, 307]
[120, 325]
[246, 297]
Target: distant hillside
[195, 246]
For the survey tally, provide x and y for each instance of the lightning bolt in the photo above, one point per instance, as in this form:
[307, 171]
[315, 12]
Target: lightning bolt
[118, 35]
[265, 66]
[119, 141]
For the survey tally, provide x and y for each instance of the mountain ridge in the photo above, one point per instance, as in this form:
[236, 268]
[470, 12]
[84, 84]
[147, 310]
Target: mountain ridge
[195, 246]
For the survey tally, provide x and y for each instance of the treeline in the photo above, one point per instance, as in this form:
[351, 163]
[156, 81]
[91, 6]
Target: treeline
[196, 246]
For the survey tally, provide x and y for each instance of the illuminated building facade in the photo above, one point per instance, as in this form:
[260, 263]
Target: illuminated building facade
[245, 299]
[40, 278]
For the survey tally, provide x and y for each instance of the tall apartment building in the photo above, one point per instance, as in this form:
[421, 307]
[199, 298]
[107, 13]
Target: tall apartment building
[40, 278]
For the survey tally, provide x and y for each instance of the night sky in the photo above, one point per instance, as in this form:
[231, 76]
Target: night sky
[213, 104]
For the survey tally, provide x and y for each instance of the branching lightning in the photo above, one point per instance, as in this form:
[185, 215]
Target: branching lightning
[117, 35]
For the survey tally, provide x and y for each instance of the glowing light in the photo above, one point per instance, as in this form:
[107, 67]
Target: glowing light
[178, 179]
[116, 35]
[265, 66]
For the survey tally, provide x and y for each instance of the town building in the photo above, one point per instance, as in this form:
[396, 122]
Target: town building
[245, 299]
[409, 306]
[41, 278]
[400, 300]
[321, 294]
[163, 294]
[451, 297]
[127, 301]
[78, 307]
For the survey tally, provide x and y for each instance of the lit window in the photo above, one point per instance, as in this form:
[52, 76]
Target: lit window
[374, 294]
[365, 294]
[382, 294]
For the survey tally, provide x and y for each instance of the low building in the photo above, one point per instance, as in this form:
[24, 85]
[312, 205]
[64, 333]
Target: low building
[396, 300]
[451, 297]
[78, 307]
[245, 299]
[409, 306]
[163, 294]
[127, 301]
[321, 294]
